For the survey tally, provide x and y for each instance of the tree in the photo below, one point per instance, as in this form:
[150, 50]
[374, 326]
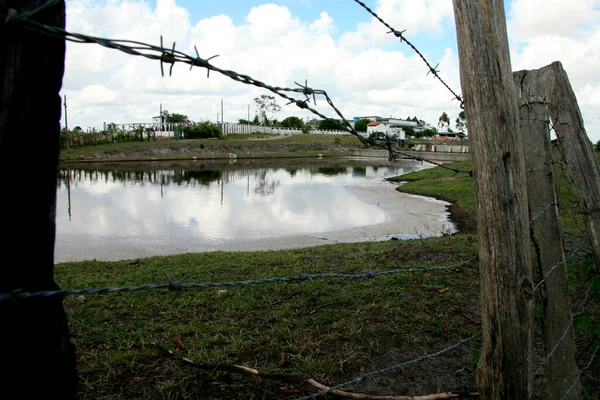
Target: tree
[330, 124]
[444, 121]
[175, 118]
[461, 122]
[35, 335]
[409, 130]
[268, 107]
[361, 125]
[429, 132]
[292, 122]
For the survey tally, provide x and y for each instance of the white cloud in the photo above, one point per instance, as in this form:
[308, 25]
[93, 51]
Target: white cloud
[413, 16]
[324, 25]
[531, 18]
[542, 32]
[272, 46]
[361, 73]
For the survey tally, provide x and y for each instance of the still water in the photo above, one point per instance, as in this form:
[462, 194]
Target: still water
[112, 212]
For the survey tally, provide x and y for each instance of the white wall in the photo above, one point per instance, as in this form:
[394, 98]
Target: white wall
[379, 128]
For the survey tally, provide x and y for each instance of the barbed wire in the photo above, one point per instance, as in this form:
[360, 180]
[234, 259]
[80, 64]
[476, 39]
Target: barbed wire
[558, 264]
[565, 333]
[171, 56]
[589, 364]
[540, 165]
[544, 210]
[390, 368]
[400, 35]
[180, 285]
[437, 164]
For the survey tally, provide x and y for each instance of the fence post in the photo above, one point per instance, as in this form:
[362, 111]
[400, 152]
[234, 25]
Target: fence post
[577, 152]
[38, 358]
[505, 369]
[546, 232]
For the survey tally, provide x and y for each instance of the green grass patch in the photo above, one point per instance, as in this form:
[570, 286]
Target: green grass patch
[443, 184]
[327, 329]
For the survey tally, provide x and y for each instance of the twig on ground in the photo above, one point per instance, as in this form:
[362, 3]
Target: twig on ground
[301, 380]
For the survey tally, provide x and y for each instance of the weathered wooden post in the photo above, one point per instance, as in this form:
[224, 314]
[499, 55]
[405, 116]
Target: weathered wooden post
[577, 152]
[546, 231]
[505, 369]
[37, 356]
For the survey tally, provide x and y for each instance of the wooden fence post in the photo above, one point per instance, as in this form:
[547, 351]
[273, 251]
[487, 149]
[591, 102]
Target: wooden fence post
[37, 355]
[577, 152]
[505, 369]
[546, 231]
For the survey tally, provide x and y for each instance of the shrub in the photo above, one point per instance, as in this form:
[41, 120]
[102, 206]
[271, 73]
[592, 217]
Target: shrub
[203, 130]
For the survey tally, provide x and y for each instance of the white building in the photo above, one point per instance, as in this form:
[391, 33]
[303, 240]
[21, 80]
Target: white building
[395, 124]
[387, 128]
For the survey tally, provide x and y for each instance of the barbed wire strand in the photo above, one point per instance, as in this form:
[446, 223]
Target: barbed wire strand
[551, 162]
[558, 264]
[179, 285]
[172, 56]
[589, 364]
[390, 368]
[400, 35]
[540, 213]
[564, 335]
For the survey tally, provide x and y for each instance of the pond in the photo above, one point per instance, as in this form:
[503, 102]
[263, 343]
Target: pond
[124, 211]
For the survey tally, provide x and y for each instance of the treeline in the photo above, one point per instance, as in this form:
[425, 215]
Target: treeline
[293, 122]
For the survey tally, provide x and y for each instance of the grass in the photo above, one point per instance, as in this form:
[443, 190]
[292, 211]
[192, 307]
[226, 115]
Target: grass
[329, 330]
[445, 185]
[244, 146]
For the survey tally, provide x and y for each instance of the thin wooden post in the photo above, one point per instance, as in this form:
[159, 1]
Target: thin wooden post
[546, 232]
[37, 356]
[505, 369]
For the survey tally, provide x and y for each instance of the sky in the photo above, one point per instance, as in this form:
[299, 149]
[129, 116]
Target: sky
[334, 45]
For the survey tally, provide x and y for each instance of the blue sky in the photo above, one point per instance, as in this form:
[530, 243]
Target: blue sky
[335, 44]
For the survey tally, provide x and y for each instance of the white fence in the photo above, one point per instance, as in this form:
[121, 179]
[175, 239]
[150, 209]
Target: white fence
[229, 128]
[166, 130]
[442, 148]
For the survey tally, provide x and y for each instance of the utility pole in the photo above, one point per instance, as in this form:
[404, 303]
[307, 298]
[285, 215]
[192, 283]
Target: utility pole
[66, 123]
[222, 119]
[161, 118]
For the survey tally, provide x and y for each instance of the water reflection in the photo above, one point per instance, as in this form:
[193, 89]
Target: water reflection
[112, 212]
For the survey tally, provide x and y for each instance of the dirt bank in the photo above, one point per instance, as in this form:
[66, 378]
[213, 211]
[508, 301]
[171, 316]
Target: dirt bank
[241, 148]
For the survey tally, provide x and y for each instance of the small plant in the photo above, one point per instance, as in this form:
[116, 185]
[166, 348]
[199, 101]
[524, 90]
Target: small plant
[337, 140]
